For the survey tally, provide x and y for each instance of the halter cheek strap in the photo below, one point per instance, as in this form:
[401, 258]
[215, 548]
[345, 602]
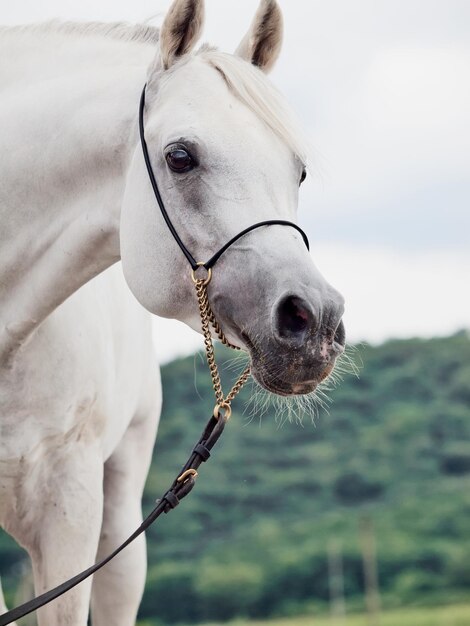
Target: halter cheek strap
[192, 261]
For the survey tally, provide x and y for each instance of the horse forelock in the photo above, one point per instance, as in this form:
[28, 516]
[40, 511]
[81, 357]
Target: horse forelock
[253, 88]
[250, 85]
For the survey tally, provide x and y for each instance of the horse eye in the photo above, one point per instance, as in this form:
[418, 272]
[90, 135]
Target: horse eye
[303, 176]
[179, 160]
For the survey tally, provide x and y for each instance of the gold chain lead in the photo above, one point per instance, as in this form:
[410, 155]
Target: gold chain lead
[208, 319]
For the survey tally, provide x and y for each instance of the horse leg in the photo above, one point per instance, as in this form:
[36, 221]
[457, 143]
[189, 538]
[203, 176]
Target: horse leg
[66, 528]
[118, 587]
[3, 608]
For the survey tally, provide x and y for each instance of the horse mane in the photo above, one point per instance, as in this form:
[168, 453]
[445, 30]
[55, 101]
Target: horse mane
[250, 85]
[123, 31]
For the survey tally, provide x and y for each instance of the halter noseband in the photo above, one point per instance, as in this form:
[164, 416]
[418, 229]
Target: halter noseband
[192, 261]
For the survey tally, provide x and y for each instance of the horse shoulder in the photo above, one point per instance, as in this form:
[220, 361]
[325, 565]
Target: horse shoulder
[84, 374]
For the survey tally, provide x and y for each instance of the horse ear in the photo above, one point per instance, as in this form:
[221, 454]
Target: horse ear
[180, 30]
[262, 43]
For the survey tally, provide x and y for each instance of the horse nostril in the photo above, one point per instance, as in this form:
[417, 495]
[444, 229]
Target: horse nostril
[293, 317]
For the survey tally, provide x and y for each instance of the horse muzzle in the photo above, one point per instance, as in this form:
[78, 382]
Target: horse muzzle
[301, 349]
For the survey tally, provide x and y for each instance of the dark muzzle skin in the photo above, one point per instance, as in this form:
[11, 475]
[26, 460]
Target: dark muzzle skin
[295, 322]
[302, 348]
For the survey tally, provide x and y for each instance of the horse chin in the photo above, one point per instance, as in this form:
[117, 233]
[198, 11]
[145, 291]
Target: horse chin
[281, 388]
[293, 380]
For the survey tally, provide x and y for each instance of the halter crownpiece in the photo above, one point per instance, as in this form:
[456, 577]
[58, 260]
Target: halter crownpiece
[192, 261]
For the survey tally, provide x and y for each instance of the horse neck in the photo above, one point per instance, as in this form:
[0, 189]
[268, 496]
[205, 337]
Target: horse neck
[66, 141]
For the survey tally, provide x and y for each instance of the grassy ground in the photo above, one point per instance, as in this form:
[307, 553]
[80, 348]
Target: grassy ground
[458, 615]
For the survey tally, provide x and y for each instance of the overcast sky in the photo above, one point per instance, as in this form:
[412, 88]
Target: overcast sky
[382, 89]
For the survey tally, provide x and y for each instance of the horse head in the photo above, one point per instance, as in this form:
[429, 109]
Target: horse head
[226, 154]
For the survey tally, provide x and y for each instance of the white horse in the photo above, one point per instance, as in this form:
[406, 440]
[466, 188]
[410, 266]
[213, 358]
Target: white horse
[79, 388]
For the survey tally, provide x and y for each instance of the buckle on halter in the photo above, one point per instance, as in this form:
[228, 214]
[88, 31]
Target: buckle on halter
[184, 475]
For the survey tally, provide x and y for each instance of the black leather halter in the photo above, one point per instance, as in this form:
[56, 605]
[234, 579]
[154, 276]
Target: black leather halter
[201, 452]
[192, 261]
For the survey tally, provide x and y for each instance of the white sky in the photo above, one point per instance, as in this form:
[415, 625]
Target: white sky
[382, 89]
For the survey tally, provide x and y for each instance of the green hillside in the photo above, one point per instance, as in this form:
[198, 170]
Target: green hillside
[252, 538]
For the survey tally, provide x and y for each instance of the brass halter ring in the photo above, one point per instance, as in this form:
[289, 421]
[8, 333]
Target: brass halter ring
[208, 277]
[222, 405]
